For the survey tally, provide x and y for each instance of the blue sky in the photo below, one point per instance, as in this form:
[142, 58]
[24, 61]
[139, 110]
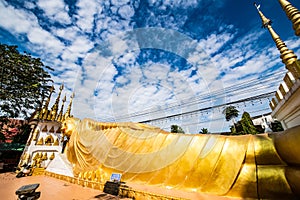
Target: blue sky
[123, 58]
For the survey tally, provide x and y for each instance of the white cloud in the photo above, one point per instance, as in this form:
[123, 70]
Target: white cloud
[21, 22]
[81, 45]
[156, 72]
[214, 42]
[85, 14]
[174, 3]
[68, 33]
[293, 44]
[55, 10]
[69, 56]
[128, 58]
[119, 2]
[16, 21]
[39, 36]
[126, 11]
[29, 5]
[152, 87]
[117, 45]
[96, 75]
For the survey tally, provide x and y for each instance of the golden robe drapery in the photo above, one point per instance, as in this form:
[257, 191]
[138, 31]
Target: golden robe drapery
[242, 166]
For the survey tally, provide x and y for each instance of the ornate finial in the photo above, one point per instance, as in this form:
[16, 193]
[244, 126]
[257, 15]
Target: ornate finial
[45, 109]
[54, 108]
[265, 21]
[293, 14]
[60, 115]
[68, 112]
[287, 56]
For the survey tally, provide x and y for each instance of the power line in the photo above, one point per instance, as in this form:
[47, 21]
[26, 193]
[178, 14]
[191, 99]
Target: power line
[266, 95]
[230, 91]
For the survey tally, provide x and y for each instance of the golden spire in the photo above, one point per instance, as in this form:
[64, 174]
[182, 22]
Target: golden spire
[68, 112]
[45, 109]
[40, 109]
[293, 14]
[54, 108]
[60, 115]
[287, 56]
[265, 21]
[37, 114]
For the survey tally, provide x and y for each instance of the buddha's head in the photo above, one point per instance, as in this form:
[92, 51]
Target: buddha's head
[69, 125]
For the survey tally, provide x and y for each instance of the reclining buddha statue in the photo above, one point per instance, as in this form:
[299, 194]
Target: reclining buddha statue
[264, 166]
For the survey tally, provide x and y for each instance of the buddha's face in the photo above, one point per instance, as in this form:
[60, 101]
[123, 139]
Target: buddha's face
[69, 125]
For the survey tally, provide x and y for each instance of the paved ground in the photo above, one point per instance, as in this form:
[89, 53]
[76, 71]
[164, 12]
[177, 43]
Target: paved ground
[54, 189]
[51, 188]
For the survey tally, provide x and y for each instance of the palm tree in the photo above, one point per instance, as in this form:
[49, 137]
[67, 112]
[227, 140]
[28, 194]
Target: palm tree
[231, 112]
[204, 131]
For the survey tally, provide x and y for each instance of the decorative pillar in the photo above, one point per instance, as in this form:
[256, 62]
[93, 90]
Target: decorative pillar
[278, 96]
[274, 102]
[289, 80]
[282, 90]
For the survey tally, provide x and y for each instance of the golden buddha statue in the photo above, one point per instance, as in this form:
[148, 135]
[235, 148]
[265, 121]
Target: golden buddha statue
[264, 166]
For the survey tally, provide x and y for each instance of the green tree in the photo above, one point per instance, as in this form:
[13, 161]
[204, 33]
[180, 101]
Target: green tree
[231, 112]
[23, 83]
[276, 126]
[247, 124]
[204, 131]
[176, 129]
